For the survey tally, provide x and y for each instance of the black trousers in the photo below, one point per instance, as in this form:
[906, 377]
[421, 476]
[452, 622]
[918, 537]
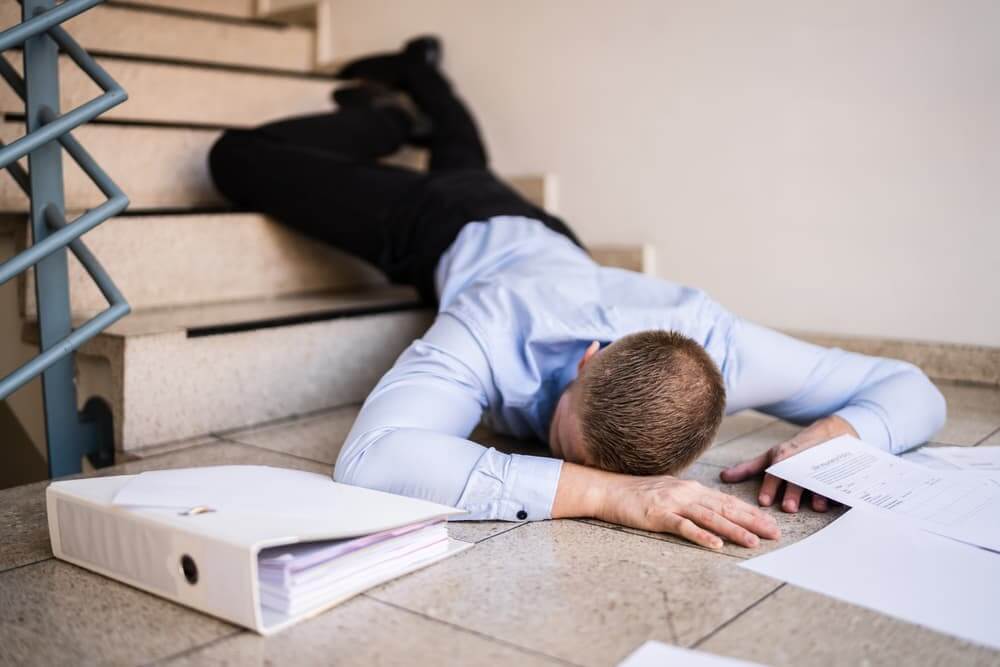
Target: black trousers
[318, 174]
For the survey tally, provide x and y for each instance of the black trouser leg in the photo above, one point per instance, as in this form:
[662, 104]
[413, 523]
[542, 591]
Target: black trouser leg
[360, 134]
[314, 174]
[455, 142]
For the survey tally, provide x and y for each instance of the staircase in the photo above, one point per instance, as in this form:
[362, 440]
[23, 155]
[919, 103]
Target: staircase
[236, 320]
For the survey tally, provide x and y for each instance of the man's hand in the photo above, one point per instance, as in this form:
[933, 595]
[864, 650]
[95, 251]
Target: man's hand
[816, 434]
[663, 504]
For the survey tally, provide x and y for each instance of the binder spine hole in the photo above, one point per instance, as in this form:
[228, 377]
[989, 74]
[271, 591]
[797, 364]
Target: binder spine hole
[190, 569]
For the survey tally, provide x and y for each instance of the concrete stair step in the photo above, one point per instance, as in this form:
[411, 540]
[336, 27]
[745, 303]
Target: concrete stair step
[176, 260]
[242, 9]
[212, 319]
[189, 95]
[162, 168]
[178, 373]
[301, 12]
[172, 260]
[173, 36]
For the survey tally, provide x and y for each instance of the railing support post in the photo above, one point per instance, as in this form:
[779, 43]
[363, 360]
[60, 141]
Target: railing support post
[65, 434]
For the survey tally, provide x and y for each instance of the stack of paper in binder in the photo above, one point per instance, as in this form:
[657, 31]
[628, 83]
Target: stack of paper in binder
[262, 547]
[301, 577]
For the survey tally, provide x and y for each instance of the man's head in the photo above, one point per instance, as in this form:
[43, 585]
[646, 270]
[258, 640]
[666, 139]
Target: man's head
[648, 404]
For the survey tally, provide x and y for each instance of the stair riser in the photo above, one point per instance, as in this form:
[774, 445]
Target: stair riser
[189, 95]
[231, 8]
[160, 261]
[180, 387]
[128, 31]
[159, 168]
[302, 12]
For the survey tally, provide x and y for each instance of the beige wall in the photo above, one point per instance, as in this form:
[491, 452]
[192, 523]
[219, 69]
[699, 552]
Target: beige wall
[824, 166]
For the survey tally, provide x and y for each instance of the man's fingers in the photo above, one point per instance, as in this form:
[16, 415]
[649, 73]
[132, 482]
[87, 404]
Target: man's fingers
[747, 469]
[742, 513]
[751, 518]
[689, 531]
[720, 525]
[793, 496]
[819, 503]
[768, 490]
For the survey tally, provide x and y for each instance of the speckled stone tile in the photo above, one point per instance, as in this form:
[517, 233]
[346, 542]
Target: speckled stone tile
[741, 423]
[62, 614]
[580, 592]
[477, 531]
[363, 631]
[23, 526]
[973, 414]
[318, 437]
[799, 627]
[748, 446]
[221, 453]
[794, 527]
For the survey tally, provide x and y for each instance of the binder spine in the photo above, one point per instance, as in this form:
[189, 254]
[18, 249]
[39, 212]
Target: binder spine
[184, 566]
[130, 548]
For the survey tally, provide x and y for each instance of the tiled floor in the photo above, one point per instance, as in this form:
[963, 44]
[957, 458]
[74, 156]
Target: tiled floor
[560, 592]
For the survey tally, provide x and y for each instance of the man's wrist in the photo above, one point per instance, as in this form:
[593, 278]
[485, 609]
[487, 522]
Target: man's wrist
[581, 492]
[837, 426]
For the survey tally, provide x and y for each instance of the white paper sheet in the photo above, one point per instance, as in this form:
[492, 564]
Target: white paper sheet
[868, 559]
[955, 504]
[919, 457]
[967, 458]
[658, 654]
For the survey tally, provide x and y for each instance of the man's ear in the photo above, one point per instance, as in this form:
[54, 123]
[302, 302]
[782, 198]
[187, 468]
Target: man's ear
[588, 355]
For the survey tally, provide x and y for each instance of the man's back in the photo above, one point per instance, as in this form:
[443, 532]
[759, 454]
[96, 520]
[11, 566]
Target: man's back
[534, 301]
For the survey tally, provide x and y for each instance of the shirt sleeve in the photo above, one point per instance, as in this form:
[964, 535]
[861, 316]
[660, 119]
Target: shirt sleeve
[890, 403]
[410, 437]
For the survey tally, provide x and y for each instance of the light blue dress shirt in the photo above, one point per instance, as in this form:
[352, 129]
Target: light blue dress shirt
[519, 304]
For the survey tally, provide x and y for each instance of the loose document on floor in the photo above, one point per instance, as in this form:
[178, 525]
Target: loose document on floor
[962, 505]
[919, 544]
[870, 559]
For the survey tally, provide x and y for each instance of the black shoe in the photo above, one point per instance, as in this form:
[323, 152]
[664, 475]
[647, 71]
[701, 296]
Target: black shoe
[390, 68]
[376, 96]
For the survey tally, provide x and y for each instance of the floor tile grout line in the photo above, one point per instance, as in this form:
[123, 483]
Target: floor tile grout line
[273, 451]
[674, 637]
[730, 621]
[502, 532]
[988, 436]
[18, 567]
[194, 649]
[139, 457]
[478, 633]
[679, 543]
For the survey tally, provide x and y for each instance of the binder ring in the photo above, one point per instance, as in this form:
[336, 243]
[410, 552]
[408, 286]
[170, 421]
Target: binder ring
[190, 569]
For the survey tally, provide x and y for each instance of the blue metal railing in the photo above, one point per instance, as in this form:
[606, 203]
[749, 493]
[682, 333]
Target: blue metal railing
[70, 435]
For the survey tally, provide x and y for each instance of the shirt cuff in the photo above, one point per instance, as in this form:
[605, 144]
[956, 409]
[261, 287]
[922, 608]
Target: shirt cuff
[510, 487]
[870, 426]
[531, 488]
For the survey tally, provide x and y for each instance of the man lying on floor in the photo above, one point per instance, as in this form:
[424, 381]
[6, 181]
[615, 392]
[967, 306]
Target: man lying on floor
[625, 376]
